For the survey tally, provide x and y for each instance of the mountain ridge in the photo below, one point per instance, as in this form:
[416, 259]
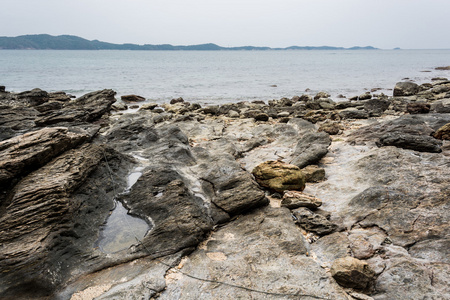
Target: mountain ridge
[71, 42]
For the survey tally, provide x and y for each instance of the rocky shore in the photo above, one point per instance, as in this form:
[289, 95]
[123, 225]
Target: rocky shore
[301, 198]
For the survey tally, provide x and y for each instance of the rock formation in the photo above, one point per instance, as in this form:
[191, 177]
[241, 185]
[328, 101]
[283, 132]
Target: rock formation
[243, 200]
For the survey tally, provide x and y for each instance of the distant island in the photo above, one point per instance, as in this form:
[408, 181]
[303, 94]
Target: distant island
[70, 42]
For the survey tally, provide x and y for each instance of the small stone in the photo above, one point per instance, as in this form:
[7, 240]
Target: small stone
[132, 98]
[233, 114]
[313, 222]
[352, 273]
[119, 106]
[283, 114]
[149, 106]
[261, 117]
[178, 100]
[365, 96]
[443, 68]
[294, 199]
[2, 88]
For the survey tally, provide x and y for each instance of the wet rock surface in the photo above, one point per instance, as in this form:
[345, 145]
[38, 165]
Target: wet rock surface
[372, 222]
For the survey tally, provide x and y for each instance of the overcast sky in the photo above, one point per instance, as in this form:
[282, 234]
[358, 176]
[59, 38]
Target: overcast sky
[409, 24]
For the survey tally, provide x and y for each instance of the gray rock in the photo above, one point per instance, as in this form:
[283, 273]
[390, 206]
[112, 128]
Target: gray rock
[375, 107]
[180, 218]
[405, 89]
[310, 149]
[87, 108]
[365, 96]
[34, 97]
[352, 113]
[410, 141]
[313, 222]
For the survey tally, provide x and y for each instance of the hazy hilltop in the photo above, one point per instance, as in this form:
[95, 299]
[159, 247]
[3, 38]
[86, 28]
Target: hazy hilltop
[70, 42]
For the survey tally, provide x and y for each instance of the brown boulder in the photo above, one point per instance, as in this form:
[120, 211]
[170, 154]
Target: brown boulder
[353, 273]
[443, 133]
[279, 176]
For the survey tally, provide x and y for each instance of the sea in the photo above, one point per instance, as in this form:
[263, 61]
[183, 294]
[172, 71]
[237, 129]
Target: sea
[215, 77]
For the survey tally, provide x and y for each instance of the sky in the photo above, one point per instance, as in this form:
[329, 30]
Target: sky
[386, 24]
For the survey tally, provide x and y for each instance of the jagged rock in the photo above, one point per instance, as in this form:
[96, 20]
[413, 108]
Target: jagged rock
[15, 121]
[353, 273]
[443, 133]
[47, 106]
[34, 97]
[405, 89]
[279, 176]
[22, 154]
[53, 215]
[59, 96]
[313, 173]
[293, 199]
[87, 108]
[132, 98]
[418, 108]
[410, 141]
[310, 149]
[313, 222]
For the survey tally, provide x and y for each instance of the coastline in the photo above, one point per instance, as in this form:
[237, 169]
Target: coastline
[373, 195]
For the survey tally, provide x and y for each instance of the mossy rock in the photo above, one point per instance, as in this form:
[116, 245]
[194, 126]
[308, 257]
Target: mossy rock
[279, 176]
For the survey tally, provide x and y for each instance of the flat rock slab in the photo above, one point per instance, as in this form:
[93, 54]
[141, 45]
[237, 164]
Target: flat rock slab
[259, 256]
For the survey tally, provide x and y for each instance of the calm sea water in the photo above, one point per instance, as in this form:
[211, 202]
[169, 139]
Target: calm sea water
[217, 76]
